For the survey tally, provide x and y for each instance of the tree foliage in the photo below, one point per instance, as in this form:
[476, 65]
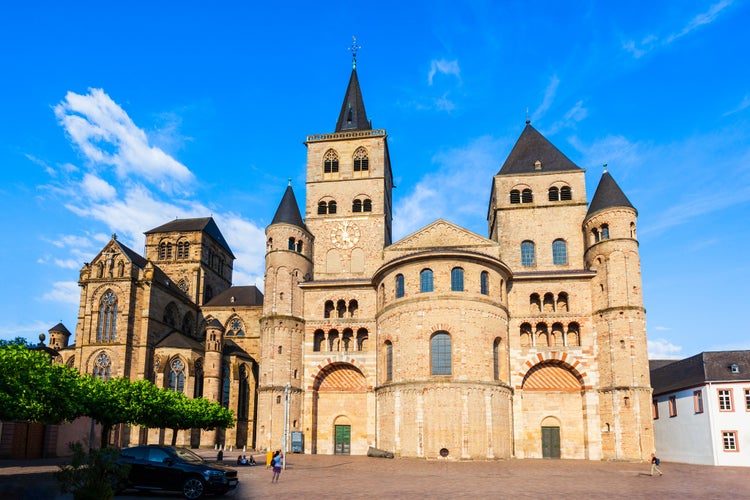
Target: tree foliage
[34, 389]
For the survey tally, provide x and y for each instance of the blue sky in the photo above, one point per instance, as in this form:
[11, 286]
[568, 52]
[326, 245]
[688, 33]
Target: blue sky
[118, 117]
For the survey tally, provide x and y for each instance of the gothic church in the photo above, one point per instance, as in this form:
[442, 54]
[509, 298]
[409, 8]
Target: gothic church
[527, 343]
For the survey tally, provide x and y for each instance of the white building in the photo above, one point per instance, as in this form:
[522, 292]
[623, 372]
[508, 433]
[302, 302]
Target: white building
[701, 408]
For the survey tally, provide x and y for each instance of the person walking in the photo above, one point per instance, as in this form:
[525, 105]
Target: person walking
[655, 464]
[276, 464]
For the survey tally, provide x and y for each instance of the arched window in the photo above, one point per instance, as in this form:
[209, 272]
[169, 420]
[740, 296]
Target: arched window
[357, 206]
[367, 205]
[388, 361]
[291, 244]
[542, 336]
[484, 283]
[198, 381]
[102, 366]
[331, 207]
[299, 246]
[346, 338]
[327, 309]
[333, 340]
[187, 323]
[319, 338]
[527, 196]
[107, 326]
[557, 335]
[243, 394]
[515, 196]
[632, 229]
[565, 193]
[177, 375]
[425, 281]
[573, 337]
[353, 306]
[559, 253]
[527, 254]
[457, 279]
[362, 337]
[361, 163]
[399, 286]
[440, 353]
[554, 194]
[341, 308]
[605, 232]
[562, 302]
[535, 303]
[330, 162]
[235, 328]
[496, 359]
[322, 208]
[183, 250]
[170, 315]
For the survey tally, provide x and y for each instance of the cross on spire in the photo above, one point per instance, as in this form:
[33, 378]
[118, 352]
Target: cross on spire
[354, 48]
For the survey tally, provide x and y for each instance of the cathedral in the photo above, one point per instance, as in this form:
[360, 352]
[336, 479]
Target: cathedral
[529, 342]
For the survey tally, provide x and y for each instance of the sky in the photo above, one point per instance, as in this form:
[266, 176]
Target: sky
[119, 117]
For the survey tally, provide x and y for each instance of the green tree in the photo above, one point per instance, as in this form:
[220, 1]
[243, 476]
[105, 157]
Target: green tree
[34, 389]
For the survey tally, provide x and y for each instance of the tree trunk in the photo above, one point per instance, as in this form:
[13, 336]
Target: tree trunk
[106, 429]
[174, 437]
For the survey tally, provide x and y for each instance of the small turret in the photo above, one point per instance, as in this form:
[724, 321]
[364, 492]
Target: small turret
[58, 336]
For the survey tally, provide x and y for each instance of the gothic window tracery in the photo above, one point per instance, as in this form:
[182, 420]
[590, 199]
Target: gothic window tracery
[177, 375]
[102, 366]
[330, 162]
[107, 325]
[361, 162]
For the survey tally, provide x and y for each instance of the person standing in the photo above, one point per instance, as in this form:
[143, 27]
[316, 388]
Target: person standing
[655, 464]
[276, 464]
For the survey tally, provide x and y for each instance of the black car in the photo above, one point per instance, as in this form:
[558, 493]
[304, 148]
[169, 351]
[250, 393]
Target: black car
[166, 468]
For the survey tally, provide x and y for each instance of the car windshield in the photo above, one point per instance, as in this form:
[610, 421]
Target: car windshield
[187, 455]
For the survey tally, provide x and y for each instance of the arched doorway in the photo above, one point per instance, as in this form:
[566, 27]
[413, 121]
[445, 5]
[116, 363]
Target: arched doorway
[339, 411]
[550, 438]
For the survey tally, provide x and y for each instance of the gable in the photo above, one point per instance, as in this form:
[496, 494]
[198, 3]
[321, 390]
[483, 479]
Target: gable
[443, 234]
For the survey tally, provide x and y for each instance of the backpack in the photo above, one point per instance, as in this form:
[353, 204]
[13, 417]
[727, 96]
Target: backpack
[658, 462]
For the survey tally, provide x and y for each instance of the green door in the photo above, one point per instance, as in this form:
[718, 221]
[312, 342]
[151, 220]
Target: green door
[342, 439]
[550, 442]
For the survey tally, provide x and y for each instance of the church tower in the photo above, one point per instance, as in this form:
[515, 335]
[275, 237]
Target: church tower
[619, 320]
[289, 256]
[349, 186]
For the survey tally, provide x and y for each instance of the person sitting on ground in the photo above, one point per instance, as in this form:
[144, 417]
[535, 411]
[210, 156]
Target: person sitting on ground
[239, 459]
[243, 460]
[251, 460]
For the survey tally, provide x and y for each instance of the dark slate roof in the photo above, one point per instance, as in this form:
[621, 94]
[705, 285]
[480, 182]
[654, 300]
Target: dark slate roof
[288, 211]
[179, 340]
[230, 348]
[237, 296]
[215, 323]
[352, 115]
[131, 254]
[205, 224]
[530, 147]
[59, 328]
[699, 369]
[608, 195]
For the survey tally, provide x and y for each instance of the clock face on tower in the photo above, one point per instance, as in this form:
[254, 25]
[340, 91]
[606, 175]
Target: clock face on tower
[345, 235]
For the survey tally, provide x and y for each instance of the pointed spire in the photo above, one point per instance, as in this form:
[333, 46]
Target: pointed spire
[608, 195]
[288, 211]
[352, 115]
[533, 152]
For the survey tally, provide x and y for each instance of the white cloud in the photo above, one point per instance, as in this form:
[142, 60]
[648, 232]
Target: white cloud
[549, 97]
[458, 190]
[615, 150]
[248, 243]
[445, 104]
[653, 41]
[107, 136]
[66, 292]
[445, 68]
[663, 349]
[574, 115]
[97, 188]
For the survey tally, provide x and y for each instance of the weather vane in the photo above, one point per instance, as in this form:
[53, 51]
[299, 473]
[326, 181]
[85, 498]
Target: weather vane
[605, 167]
[354, 48]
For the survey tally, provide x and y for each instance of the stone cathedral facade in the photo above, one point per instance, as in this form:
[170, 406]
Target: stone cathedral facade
[527, 343]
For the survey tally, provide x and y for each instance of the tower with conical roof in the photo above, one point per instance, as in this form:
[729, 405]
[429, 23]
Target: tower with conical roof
[619, 321]
[289, 252]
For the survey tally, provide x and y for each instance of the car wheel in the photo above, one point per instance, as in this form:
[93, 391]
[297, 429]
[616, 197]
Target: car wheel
[193, 488]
